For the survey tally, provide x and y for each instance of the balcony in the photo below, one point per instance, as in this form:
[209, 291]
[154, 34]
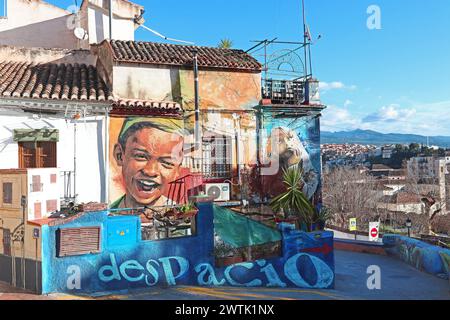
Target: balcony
[289, 92]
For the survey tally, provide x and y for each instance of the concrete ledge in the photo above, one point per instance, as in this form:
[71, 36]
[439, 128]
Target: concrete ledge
[359, 246]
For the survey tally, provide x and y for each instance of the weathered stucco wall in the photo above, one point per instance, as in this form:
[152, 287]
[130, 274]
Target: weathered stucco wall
[37, 55]
[225, 90]
[36, 24]
[219, 90]
[134, 81]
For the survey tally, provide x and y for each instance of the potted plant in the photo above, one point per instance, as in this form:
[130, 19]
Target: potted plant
[188, 210]
[322, 216]
[293, 202]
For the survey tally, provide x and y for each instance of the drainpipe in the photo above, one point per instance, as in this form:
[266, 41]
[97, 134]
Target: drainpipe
[110, 18]
[106, 163]
[197, 103]
[75, 161]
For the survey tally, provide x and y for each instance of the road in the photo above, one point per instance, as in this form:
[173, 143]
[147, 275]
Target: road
[398, 281]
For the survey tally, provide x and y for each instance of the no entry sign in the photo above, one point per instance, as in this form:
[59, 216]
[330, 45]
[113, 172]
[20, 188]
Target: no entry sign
[374, 231]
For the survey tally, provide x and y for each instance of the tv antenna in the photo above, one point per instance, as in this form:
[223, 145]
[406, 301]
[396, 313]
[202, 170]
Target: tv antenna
[164, 37]
[139, 20]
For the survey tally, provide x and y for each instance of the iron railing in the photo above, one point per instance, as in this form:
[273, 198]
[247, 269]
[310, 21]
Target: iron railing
[291, 92]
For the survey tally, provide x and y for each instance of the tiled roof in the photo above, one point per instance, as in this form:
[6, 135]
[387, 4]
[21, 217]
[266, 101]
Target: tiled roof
[52, 81]
[182, 55]
[145, 107]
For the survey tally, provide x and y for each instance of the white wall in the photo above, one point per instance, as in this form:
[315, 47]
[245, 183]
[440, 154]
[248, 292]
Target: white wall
[90, 148]
[98, 30]
[146, 83]
[36, 24]
[50, 191]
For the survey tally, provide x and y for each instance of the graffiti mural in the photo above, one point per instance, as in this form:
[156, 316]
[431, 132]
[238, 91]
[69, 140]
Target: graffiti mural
[147, 153]
[306, 261]
[288, 143]
[421, 255]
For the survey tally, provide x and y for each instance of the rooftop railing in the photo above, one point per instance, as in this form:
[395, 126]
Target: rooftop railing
[290, 92]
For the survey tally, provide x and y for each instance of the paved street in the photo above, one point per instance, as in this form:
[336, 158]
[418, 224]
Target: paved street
[398, 281]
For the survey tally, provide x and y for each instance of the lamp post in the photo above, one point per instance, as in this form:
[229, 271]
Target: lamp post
[408, 225]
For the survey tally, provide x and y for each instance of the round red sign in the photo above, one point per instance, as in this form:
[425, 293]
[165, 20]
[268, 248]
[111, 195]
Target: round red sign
[374, 232]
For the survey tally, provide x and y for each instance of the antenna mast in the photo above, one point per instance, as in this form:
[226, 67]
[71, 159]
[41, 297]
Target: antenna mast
[305, 38]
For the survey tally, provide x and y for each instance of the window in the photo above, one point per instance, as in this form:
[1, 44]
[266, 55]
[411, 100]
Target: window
[41, 154]
[216, 150]
[36, 185]
[52, 206]
[7, 192]
[77, 241]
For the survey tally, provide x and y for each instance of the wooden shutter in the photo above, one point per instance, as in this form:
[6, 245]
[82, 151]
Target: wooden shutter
[40, 154]
[27, 154]
[47, 154]
[78, 241]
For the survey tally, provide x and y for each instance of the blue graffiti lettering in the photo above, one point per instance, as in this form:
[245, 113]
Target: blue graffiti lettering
[271, 275]
[247, 265]
[131, 265]
[325, 275]
[168, 271]
[208, 270]
[111, 268]
[153, 272]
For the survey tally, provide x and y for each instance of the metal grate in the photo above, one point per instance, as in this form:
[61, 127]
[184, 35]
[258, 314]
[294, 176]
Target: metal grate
[283, 91]
[216, 161]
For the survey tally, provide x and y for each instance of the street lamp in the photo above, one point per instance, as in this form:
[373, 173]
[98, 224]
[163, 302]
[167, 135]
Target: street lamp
[408, 225]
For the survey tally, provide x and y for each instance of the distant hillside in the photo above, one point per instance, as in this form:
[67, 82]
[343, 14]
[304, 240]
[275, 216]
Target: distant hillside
[377, 138]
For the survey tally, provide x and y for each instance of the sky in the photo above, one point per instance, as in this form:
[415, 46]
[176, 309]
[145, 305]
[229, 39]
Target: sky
[395, 78]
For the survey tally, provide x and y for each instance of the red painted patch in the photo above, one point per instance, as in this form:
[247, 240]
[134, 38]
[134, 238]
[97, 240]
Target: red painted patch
[325, 249]
[37, 210]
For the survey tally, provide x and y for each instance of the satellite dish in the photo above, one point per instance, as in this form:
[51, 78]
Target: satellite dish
[80, 33]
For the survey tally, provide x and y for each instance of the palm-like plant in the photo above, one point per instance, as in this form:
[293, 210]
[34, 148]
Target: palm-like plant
[293, 201]
[225, 44]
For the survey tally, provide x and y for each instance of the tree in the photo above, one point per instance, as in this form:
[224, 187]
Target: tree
[225, 44]
[349, 193]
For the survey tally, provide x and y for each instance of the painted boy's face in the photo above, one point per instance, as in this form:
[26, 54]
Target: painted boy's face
[150, 161]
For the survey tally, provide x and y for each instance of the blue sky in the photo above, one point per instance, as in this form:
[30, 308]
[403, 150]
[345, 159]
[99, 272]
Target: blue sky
[396, 79]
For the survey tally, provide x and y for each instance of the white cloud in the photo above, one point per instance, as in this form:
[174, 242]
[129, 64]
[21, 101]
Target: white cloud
[420, 118]
[348, 103]
[335, 85]
[338, 119]
[390, 113]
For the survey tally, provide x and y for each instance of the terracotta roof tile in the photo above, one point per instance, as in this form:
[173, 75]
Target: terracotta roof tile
[146, 107]
[182, 55]
[52, 81]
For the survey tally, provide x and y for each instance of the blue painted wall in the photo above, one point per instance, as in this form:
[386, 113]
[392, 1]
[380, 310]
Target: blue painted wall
[419, 254]
[126, 261]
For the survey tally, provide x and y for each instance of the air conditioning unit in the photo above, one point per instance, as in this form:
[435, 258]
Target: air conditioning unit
[218, 191]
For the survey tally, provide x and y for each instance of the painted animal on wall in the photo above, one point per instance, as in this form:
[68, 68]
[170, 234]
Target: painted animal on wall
[289, 146]
[292, 153]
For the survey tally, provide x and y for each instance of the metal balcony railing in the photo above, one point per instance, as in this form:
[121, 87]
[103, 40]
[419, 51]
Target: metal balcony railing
[291, 92]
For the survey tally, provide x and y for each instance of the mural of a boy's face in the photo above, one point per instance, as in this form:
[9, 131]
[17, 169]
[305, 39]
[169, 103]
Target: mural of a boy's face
[150, 160]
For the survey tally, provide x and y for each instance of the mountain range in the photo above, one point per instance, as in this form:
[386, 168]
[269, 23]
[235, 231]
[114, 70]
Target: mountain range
[373, 137]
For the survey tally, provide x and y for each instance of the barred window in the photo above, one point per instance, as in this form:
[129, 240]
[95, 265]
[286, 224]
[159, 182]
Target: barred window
[216, 150]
